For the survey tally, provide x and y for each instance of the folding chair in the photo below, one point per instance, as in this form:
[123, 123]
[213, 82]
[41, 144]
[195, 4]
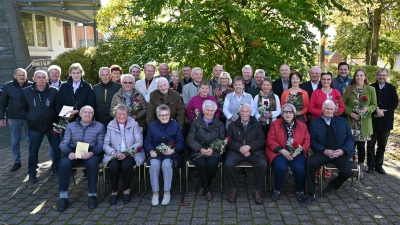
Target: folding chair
[147, 165]
[190, 164]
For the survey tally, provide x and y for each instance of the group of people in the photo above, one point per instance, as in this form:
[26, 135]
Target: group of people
[124, 119]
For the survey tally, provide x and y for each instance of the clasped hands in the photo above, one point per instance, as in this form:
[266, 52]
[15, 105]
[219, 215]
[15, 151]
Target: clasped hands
[357, 117]
[264, 118]
[287, 155]
[87, 155]
[153, 153]
[380, 112]
[333, 153]
[245, 150]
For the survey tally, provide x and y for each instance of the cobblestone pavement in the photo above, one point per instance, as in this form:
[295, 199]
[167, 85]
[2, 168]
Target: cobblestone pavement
[23, 203]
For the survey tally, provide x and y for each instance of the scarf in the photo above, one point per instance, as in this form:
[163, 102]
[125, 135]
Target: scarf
[127, 95]
[270, 97]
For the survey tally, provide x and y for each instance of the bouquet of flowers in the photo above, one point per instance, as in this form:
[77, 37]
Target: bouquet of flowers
[59, 127]
[264, 109]
[337, 103]
[296, 100]
[130, 152]
[134, 107]
[196, 113]
[294, 146]
[217, 145]
[359, 105]
[220, 96]
[165, 148]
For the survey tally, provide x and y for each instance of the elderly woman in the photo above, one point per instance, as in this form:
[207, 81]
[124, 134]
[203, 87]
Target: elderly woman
[135, 70]
[175, 81]
[123, 135]
[129, 96]
[266, 105]
[116, 72]
[168, 132]
[287, 145]
[203, 131]
[225, 82]
[195, 106]
[234, 100]
[360, 101]
[296, 96]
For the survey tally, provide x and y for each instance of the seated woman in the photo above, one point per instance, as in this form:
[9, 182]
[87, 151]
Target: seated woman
[203, 131]
[195, 104]
[123, 133]
[168, 132]
[287, 145]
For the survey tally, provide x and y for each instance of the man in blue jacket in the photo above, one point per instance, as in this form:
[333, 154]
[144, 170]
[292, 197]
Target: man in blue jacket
[332, 142]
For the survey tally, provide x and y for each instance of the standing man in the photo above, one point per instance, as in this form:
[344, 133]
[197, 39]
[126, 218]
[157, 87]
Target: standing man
[282, 84]
[247, 71]
[382, 121]
[258, 77]
[148, 83]
[217, 70]
[310, 86]
[190, 90]
[343, 79]
[38, 103]
[187, 72]
[54, 76]
[103, 94]
[10, 108]
[164, 72]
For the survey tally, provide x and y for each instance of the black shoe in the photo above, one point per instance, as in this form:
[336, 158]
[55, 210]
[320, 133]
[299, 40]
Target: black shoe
[113, 199]
[232, 196]
[328, 189]
[370, 170]
[310, 199]
[257, 197]
[300, 196]
[381, 171]
[275, 195]
[32, 178]
[62, 204]
[126, 198]
[92, 202]
[15, 167]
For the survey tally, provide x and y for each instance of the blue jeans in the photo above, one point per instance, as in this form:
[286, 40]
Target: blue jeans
[16, 127]
[297, 166]
[51, 149]
[36, 138]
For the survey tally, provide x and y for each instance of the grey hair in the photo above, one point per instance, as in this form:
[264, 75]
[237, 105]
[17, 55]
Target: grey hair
[240, 79]
[315, 67]
[244, 104]
[121, 107]
[267, 79]
[247, 67]
[20, 69]
[225, 75]
[86, 106]
[134, 66]
[195, 69]
[123, 77]
[327, 102]
[105, 68]
[54, 67]
[177, 72]
[380, 70]
[219, 66]
[290, 106]
[260, 71]
[40, 71]
[209, 103]
[161, 79]
[161, 108]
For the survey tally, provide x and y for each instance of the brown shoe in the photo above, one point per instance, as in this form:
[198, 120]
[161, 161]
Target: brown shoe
[208, 196]
[232, 196]
[257, 198]
[201, 192]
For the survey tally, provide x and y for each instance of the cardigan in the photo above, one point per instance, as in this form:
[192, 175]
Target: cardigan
[285, 95]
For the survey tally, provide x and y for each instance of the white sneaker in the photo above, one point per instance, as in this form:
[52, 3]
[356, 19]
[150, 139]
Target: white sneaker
[155, 200]
[166, 200]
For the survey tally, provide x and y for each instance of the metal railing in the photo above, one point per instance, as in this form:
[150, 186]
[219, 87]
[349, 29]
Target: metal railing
[42, 64]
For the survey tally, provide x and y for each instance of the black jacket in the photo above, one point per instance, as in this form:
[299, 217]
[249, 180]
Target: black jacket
[386, 98]
[83, 96]
[307, 86]
[103, 94]
[277, 87]
[39, 107]
[254, 137]
[10, 100]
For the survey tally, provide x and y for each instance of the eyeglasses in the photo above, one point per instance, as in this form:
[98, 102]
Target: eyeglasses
[163, 115]
[287, 112]
[125, 82]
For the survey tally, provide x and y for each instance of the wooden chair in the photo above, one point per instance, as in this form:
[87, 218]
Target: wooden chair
[190, 164]
[147, 166]
[246, 164]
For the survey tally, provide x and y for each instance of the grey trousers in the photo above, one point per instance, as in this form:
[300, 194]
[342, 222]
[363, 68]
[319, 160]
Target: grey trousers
[166, 166]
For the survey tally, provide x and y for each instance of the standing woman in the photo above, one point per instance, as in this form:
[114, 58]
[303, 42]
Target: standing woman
[360, 102]
[196, 103]
[175, 83]
[296, 96]
[123, 133]
[269, 101]
[220, 93]
[168, 132]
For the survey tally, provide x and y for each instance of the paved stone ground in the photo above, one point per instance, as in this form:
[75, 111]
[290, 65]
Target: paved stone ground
[23, 203]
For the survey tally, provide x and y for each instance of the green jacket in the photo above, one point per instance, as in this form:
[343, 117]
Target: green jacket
[366, 123]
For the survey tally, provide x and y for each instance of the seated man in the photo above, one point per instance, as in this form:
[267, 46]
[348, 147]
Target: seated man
[86, 130]
[332, 142]
[247, 144]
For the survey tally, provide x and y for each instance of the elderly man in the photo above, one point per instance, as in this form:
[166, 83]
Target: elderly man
[190, 90]
[38, 104]
[332, 142]
[382, 121]
[217, 70]
[247, 71]
[134, 70]
[164, 72]
[247, 144]
[282, 84]
[147, 84]
[187, 73]
[83, 130]
[103, 94]
[343, 79]
[258, 77]
[10, 108]
[310, 86]
[54, 76]
[169, 97]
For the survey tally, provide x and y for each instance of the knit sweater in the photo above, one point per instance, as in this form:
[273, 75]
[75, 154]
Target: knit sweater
[197, 103]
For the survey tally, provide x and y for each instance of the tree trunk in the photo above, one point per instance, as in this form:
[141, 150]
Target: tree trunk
[369, 26]
[375, 36]
[322, 53]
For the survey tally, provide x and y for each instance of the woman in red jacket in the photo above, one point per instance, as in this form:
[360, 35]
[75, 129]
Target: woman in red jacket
[287, 145]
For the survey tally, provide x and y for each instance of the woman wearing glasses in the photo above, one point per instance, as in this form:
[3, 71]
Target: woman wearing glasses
[130, 97]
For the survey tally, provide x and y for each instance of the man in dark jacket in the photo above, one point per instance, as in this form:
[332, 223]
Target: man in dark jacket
[103, 94]
[282, 83]
[38, 104]
[382, 121]
[332, 142]
[10, 108]
[247, 144]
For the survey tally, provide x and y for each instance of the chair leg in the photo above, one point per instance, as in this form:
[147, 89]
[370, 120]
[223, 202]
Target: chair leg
[270, 179]
[180, 180]
[358, 180]
[104, 181]
[321, 171]
[145, 180]
[187, 178]
[73, 178]
[139, 174]
[221, 178]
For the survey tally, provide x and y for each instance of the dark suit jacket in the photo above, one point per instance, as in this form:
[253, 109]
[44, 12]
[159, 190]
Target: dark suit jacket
[277, 87]
[387, 99]
[307, 86]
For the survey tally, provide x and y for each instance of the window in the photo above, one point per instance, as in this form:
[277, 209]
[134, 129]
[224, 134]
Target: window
[67, 34]
[35, 29]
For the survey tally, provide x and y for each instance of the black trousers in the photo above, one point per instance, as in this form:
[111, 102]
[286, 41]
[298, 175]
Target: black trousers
[233, 159]
[360, 145]
[317, 160]
[123, 167]
[376, 159]
[206, 169]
